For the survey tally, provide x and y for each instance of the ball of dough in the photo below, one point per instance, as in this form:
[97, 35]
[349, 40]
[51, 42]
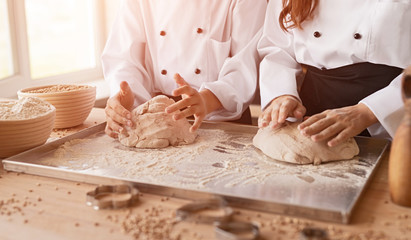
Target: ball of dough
[289, 145]
[153, 128]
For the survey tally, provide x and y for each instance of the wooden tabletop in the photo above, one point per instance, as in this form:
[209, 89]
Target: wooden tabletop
[35, 207]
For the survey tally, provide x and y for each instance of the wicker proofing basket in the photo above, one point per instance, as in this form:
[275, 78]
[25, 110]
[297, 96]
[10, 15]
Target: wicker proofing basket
[20, 135]
[72, 107]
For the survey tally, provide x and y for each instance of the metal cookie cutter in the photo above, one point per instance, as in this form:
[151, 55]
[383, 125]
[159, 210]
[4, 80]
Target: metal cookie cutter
[313, 234]
[191, 211]
[112, 196]
[236, 231]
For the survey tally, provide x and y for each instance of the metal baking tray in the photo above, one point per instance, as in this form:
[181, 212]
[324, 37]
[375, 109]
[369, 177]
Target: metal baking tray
[222, 161]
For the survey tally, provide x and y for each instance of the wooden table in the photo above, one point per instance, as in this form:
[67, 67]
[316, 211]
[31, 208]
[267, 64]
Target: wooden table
[34, 207]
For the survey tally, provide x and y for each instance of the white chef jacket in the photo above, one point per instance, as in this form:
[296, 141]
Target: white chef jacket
[348, 32]
[151, 40]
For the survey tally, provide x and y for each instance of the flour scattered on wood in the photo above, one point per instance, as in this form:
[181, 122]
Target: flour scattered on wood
[25, 108]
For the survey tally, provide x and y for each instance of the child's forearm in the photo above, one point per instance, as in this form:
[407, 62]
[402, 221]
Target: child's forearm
[211, 101]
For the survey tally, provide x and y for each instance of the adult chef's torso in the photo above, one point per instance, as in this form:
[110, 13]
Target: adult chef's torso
[340, 33]
[191, 38]
[352, 31]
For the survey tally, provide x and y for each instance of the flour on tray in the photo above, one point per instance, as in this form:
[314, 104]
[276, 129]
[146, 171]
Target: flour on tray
[216, 158]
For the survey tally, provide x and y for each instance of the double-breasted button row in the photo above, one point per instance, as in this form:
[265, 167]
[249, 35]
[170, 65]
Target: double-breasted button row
[199, 31]
[357, 36]
[196, 71]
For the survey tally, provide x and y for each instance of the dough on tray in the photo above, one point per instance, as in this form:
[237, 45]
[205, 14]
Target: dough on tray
[289, 145]
[153, 128]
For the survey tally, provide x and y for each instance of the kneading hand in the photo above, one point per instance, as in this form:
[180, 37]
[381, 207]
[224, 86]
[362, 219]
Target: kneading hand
[279, 110]
[118, 110]
[337, 125]
[193, 102]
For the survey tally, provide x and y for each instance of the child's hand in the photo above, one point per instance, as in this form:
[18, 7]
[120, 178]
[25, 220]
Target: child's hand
[118, 110]
[192, 103]
[279, 110]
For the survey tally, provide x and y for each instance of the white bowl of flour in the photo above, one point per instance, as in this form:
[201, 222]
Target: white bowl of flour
[24, 124]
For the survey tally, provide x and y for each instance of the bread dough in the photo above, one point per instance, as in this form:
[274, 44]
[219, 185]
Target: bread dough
[289, 145]
[153, 128]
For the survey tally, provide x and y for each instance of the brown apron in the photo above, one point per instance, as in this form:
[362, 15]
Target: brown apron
[324, 89]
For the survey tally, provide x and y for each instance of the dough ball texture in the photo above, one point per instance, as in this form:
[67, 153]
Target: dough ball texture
[289, 145]
[153, 128]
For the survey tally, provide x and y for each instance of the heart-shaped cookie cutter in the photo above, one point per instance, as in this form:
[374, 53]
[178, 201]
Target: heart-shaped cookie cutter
[192, 211]
[235, 230]
[112, 196]
[310, 233]
[225, 228]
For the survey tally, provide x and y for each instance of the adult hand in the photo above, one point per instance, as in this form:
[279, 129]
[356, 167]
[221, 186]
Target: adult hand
[118, 110]
[279, 110]
[193, 102]
[337, 125]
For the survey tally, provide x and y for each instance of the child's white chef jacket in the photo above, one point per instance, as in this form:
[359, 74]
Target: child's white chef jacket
[341, 33]
[151, 40]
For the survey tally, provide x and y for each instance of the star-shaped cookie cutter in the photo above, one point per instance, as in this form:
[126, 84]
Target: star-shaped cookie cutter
[112, 196]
